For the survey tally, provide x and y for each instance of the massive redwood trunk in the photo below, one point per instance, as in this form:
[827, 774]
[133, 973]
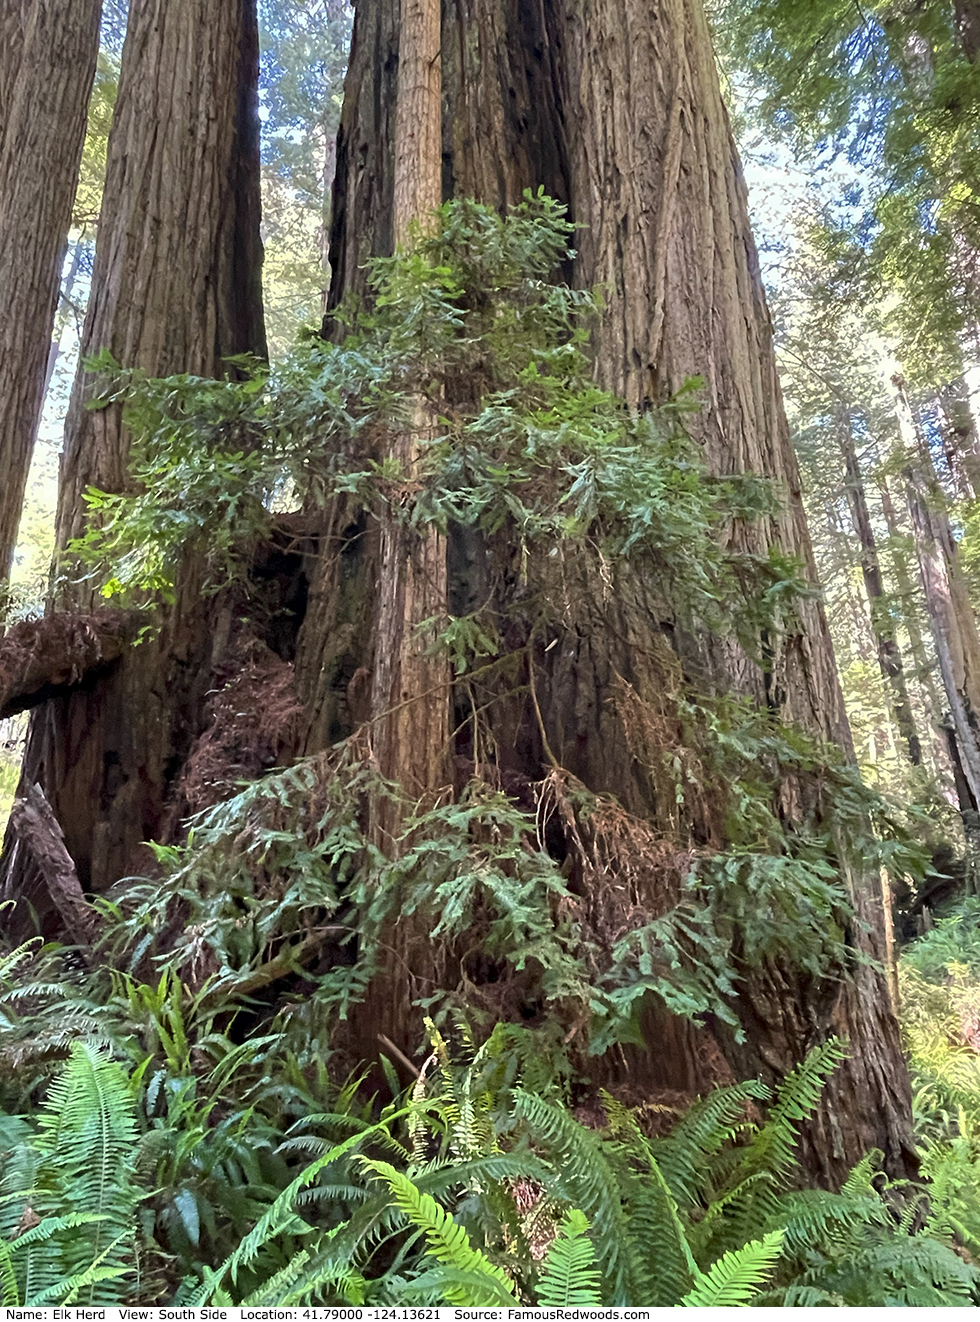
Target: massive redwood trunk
[614, 107]
[47, 64]
[176, 288]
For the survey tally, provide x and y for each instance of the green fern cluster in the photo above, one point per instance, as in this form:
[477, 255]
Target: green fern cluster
[707, 1215]
[68, 1193]
[470, 1190]
[940, 1017]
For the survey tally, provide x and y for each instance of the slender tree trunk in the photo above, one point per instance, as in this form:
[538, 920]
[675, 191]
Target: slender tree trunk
[909, 597]
[410, 697]
[176, 288]
[860, 634]
[410, 687]
[889, 656]
[947, 600]
[615, 108]
[42, 123]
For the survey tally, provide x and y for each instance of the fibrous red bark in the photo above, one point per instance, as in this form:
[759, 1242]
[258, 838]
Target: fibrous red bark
[35, 830]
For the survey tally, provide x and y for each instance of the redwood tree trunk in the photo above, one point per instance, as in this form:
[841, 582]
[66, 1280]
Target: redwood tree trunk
[176, 288]
[410, 687]
[46, 75]
[614, 107]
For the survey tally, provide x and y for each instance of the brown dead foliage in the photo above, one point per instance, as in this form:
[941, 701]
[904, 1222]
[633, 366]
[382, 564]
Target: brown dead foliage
[655, 736]
[38, 657]
[253, 722]
[623, 871]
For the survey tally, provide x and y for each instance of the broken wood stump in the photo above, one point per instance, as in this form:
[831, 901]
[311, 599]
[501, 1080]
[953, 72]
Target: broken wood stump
[38, 658]
[36, 829]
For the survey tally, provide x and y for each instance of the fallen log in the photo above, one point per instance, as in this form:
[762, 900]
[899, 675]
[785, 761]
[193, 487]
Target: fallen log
[36, 829]
[39, 658]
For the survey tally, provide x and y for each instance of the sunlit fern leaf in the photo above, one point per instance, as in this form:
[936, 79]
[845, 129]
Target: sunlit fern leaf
[446, 1241]
[954, 1193]
[92, 1281]
[97, 1274]
[86, 1148]
[570, 1275]
[9, 1289]
[735, 1278]
[57, 1290]
[590, 1183]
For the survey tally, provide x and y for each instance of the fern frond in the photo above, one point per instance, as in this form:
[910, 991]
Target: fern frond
[666, 1262]
[592, 1184]
[570, 1275]
[441, 1283]
[816, 1219]
[859, 1180]
[898, 1272]
[447, 1241]
[735, 1278]
[773, 1147]
[684, 1155]
[85, 1151]
[9, 1288]
[736, 1216]
[281, 1216]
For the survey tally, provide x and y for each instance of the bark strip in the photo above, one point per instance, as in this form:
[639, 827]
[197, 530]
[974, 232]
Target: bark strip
[36, 827]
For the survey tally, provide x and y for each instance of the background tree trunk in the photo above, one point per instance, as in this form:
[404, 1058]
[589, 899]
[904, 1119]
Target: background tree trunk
[615, 108]
[889, 656]
[176, 288]
[947, 600]
[968, 27]
[42, 129]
